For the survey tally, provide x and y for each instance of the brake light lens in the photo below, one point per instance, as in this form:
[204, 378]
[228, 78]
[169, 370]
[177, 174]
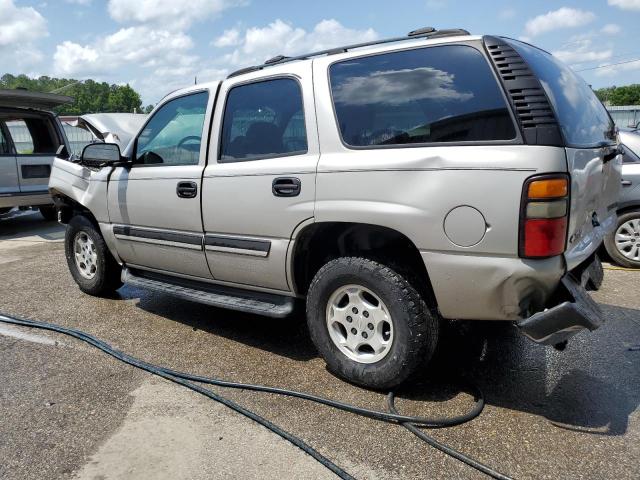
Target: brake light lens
[543, 216]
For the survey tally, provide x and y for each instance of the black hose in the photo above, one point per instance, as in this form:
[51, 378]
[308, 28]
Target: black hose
[186, 379]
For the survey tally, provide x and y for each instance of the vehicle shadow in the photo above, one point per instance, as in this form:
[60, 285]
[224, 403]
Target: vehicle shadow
[287, 337]
[591, 387]
[29, 224]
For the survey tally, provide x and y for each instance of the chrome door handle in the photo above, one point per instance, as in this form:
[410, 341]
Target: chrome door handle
[626, 183]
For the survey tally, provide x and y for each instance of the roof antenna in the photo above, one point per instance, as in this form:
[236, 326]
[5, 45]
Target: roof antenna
[195, 80]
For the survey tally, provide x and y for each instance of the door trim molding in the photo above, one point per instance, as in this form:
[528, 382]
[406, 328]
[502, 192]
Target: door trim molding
[189, 241]
[239, 245]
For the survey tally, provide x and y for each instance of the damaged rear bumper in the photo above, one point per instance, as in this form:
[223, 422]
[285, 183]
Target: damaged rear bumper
[574, 311]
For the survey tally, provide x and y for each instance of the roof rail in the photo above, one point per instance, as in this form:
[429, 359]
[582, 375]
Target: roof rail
[426, 32]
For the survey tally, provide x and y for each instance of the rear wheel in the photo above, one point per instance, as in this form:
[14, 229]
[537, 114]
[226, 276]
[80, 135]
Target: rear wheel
[623, 245]
[368, 323]
[49, 212]
[91, 264]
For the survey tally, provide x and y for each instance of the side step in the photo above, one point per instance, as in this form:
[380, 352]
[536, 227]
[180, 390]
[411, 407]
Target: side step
[259, 303]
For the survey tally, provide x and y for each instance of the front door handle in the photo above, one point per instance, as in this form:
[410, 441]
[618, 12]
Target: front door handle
[187, 189]
[626, 183]
[286, 187]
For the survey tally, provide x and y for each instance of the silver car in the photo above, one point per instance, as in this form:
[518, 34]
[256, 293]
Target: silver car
[389, 185]
[623, 244]
[30, 136]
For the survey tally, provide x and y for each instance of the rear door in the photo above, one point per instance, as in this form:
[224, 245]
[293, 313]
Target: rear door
[260, 181]
[592, 162]
[9, 183]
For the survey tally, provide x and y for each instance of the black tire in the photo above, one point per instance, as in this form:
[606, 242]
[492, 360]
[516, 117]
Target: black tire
[107, 273]
[415, 327]
[610, 243]
[49, 212]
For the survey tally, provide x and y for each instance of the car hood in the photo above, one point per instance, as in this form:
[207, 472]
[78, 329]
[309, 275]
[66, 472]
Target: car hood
[17, 98]
[117, 128]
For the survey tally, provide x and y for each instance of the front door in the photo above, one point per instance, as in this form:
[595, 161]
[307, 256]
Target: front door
[260, 181]
[154, 205]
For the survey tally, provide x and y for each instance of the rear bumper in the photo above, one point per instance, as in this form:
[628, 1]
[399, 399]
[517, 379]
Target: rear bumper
[574, 311]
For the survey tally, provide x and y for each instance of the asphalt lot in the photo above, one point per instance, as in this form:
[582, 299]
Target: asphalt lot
[69, 411]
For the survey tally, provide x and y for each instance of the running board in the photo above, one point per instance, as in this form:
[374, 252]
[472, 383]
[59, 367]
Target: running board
[259, 303]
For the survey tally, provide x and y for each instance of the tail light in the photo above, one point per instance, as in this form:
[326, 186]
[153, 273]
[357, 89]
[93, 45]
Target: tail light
[544, 216]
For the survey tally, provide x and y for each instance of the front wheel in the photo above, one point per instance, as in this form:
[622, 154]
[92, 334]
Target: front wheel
[368, 323]
[91, 264]
[623, 245]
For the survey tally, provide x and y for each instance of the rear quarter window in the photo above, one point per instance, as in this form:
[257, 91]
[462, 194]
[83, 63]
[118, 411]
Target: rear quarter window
[583, 119]
[443, 94]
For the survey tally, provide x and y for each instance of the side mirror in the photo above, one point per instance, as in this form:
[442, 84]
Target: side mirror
[101, 155]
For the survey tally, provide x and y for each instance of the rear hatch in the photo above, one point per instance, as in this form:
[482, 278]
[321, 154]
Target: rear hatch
[593, 162]
[18, 98]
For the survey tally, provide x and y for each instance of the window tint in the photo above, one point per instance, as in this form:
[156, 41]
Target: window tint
[174, 133]
[582, 117]
[437, 94]
[264, 119]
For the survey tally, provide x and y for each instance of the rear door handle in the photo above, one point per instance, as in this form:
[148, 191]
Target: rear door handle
[286, 187]
[627, 183]
[187, 189]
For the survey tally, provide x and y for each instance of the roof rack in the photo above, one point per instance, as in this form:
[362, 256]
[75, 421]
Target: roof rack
[426, 32]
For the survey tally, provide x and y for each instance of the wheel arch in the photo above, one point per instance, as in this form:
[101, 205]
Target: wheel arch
[317, 243]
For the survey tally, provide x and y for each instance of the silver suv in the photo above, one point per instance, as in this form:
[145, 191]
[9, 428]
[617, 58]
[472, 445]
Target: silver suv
[389, 185]
[30, 136]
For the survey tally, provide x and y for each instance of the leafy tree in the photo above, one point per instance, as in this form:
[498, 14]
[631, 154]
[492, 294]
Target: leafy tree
[89, 96]
[627, 95]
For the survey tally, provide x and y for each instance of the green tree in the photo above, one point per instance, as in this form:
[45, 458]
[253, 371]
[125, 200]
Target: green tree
[626, 95]
[89, 96]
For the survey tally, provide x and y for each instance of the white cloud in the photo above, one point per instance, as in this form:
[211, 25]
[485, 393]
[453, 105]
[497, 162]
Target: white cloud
[84, 3]
[625, 4]
[229, 38]
[172, 14]
[19, 25]
[583, 50]
[280, 38]
[133, 47]
[557, 19]
[611, 29]
[20, 28]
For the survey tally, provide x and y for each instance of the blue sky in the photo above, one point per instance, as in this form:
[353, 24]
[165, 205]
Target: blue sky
[160, 45]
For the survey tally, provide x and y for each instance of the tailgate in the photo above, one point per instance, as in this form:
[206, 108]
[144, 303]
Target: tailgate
[595, 188]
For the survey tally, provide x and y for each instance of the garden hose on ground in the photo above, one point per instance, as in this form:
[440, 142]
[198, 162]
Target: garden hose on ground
[186, 379]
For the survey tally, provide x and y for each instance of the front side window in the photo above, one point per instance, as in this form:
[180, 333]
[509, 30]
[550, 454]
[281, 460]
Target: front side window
[174, 134]
[263, 120]
[583, 119]
[437, 94]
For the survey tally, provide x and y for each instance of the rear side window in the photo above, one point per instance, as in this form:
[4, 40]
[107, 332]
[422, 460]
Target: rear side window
[436, 94]
[263, 120]
[583, 119]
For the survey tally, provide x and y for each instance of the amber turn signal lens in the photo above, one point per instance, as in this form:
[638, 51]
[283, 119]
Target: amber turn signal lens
[551, 188]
